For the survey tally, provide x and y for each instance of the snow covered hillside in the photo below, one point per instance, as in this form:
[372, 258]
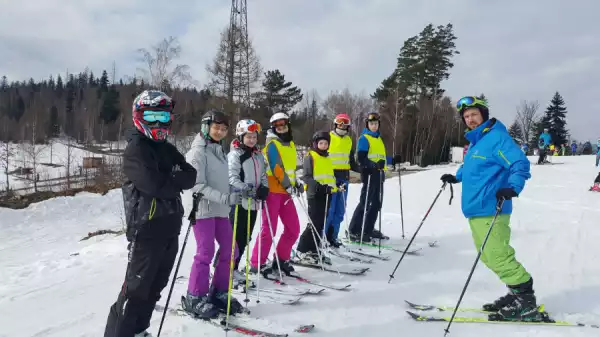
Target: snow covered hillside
[53, 285]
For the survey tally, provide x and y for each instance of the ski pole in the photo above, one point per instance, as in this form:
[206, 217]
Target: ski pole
[231, 265]
[315, 235]
[192, 219]
[417, 231]
[347, 224]
[401, 210]
[366, 204]
[498, 210]
[248, 252]
[381, 175]
[324, 235]
[273, 243]
[262, 219]
[313, 231]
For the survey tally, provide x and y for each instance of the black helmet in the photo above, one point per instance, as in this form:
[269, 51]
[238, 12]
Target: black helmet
[372, 116]
[319, 135]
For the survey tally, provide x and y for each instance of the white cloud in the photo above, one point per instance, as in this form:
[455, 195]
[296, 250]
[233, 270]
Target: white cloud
[510, 50]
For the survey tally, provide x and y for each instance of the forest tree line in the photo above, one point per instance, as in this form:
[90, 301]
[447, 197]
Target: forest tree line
[419, 121]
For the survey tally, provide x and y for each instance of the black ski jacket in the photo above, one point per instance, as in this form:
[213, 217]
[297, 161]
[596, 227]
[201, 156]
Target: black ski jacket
[156, 174]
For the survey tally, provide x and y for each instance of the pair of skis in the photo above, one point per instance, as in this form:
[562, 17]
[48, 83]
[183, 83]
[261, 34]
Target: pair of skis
[482, 319]
[241, 324]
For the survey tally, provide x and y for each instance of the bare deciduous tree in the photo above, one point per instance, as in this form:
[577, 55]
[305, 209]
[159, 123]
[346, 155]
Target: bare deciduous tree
[161, 72]
[33, 152]
[526, 116]
[6, 154]
[355, 105]
[68, 157]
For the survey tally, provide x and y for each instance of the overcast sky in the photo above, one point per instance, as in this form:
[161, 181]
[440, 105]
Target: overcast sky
[510, 50]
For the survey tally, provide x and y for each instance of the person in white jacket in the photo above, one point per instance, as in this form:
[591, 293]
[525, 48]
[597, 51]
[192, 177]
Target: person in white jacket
[248, 174]
[212, 181]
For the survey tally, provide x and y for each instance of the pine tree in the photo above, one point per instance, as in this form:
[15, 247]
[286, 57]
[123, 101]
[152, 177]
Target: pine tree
[515, 132]
[556, 115]
[278, 94]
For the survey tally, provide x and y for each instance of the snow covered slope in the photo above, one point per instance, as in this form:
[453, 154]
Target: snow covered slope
[53, 285]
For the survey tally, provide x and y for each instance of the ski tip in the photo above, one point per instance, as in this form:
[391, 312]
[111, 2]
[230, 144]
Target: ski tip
[412, 314]
[410, 303]
[305, 328]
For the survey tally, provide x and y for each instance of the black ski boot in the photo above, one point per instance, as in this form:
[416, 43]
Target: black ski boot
[335, 244]
[199, 306]
[286, 267]
[509, 298]
[219, 299]
[499, 303]
[356, 238]
[376, 235]
[265, 269]
[523, 308]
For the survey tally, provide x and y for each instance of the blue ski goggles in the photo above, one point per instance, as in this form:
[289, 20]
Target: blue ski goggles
[157, 116]
[468, 102]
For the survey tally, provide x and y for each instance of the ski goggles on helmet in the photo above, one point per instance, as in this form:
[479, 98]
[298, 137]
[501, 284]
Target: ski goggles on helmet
[342, 121]
[254, 128]
[373, 116]
[469, 102]
[152, 116]
[280, 122]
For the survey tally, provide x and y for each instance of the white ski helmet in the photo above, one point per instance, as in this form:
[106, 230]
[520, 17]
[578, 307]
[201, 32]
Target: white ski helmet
[279, 116]
[247, 125]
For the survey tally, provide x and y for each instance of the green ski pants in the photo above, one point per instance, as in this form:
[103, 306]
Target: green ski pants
[498, 255]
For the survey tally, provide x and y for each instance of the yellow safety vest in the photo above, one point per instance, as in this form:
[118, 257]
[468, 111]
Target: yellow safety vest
[376, 149]
[339, 151]
[322, 170]
[288, 157]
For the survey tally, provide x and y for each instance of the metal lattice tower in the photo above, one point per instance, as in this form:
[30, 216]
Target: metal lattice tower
[238, 65]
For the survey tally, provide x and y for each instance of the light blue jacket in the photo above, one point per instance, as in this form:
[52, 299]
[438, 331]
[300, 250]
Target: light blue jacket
[493, 161]
[545, 140]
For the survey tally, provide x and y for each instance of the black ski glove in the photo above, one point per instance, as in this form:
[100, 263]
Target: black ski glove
[381, 164]
[262, 192]
[506, 194]
[449, 178]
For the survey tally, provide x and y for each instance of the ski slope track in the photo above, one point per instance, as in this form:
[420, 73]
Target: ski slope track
[54, 285]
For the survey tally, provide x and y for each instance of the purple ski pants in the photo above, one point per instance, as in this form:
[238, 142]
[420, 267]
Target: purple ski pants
[206, 231]
[281, 206]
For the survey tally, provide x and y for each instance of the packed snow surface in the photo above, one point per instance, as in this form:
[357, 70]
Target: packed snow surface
[53, 285]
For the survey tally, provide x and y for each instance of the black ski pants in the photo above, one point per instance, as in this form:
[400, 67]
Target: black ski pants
[542, 153]
[147, 274]
[372, 202]
[317, 211]
[241, 233]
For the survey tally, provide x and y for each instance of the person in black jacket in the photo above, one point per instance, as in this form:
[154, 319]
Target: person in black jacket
[156, 174]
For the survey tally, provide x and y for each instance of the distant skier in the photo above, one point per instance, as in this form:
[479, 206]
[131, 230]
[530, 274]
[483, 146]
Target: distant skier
[341, 153]
[212, 222]
[156, 175]
[544, 142]
[495, 169]
[598, 152]
[371, 158]
[320, 185]
[574, 149]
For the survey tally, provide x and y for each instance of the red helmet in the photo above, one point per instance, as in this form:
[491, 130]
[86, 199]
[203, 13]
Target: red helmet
[342, 119]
